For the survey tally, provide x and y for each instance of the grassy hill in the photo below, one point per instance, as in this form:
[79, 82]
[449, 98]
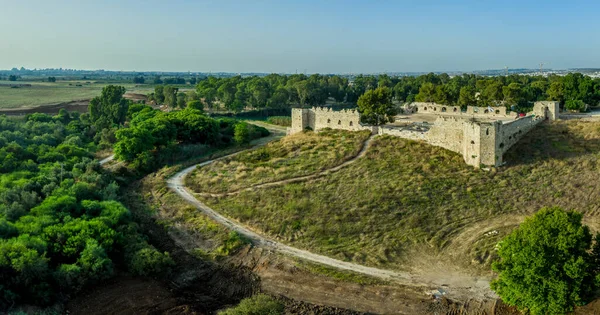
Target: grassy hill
[297, 155]
[407, 200]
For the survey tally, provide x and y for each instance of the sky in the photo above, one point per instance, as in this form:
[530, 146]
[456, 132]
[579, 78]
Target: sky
[312, 36]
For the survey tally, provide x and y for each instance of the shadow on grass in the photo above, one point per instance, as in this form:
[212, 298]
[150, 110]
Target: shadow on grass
[558, 141]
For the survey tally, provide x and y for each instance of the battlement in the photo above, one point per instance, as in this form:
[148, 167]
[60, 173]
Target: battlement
[482, 142]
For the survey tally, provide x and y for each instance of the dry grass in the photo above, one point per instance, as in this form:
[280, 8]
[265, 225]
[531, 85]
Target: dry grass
[297, 155]
[406, 197]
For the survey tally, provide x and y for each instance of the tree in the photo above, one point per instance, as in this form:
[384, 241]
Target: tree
[51, 79]
[545, 266]
[556, 91]
[512, 93]
[157, 80]
[12, 77]
[467, 96]
[139, 80]
[109, 108]
[375, 106]
[195, 105]
[575, 105]
[426, 93]
[159, 95]
[170, 93]
[241, 133]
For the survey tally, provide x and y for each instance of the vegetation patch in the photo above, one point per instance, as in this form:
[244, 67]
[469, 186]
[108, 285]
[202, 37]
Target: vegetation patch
[285, 121]
[297, 155]
[406, 197]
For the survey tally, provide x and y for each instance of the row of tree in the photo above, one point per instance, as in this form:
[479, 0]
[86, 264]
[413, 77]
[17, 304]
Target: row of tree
[280, 91]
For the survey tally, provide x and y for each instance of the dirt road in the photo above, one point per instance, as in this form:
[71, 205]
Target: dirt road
[459, 286]
[106, 160]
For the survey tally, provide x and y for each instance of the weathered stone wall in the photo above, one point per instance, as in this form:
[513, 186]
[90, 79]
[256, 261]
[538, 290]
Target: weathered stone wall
[448, 110]
[404, 133]
[320, 118]
[480, 142]
[448, 133]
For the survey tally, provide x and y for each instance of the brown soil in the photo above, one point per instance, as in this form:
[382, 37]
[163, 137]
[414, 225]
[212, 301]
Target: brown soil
[76, 106]
[72, 106]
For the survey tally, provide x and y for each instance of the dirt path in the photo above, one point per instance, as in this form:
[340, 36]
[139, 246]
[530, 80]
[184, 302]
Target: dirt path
[454, 285]
[106, 160]
[176, 183]
[360, 154]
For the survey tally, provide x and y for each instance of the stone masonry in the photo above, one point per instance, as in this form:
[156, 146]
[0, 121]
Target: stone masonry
[481, 135]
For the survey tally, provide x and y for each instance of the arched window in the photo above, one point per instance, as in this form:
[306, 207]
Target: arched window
[472, 142]
[424, 108]
[455, 109]
[487, 132]
[497, 112]
[501, 145]
[435, 109]
[351, 123]
[443, 109]
[328, 121]
[485, 111]
[339, 122]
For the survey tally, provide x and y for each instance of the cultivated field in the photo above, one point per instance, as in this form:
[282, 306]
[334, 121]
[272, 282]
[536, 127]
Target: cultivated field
[407, 204]
[31, 94]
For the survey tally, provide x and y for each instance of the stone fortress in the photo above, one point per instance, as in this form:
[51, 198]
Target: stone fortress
[482, 135]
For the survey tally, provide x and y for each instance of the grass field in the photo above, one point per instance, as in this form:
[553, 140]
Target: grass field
[45, 93]
[406, 200]
[297, 155]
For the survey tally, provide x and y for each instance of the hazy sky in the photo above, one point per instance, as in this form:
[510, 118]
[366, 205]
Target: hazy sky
[326, 36]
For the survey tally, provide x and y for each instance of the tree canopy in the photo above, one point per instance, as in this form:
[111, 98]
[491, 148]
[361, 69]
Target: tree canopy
[545, 265]
[375, 106]
[110, 108]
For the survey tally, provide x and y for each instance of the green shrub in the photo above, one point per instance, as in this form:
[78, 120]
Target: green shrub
[259, 304]
[149, 261]
[233, 242]
[545, 266]
[575, 105]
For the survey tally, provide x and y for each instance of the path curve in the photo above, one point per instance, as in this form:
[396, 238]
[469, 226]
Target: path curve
[106, 160]
[467, 287]
[177, 184]
[361, 153]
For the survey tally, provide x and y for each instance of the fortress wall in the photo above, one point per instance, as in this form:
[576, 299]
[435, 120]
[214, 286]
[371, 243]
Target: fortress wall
[471, 146]
[509, 133]
[448, 110]
[320, 118]
[403, 133]
[447, 132]
[346, 119]
[299, 120]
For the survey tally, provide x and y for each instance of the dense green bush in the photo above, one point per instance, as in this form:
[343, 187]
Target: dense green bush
[259, 304]
[60, 227]
[545, 265]
[153, 135]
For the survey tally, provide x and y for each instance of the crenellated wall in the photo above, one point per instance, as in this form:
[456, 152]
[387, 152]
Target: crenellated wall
[481, 142]
[319, 118]
[447, 110]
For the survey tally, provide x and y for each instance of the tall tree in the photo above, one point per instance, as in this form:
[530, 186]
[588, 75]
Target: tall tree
[375, 106]
[109, 108]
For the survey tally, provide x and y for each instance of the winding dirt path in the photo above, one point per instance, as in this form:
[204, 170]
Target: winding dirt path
[106, 160]
[361, 153]
[177, 184]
